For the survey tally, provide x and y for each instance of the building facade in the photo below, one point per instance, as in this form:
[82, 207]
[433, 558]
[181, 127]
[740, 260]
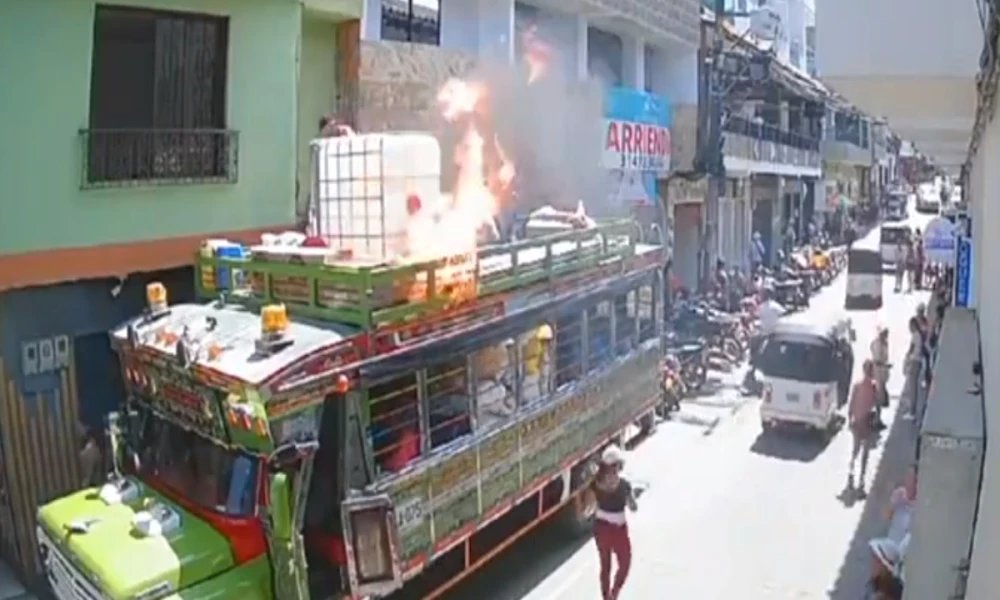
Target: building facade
[134, 132]
[612, 67]
[771, 147]
[848, 157]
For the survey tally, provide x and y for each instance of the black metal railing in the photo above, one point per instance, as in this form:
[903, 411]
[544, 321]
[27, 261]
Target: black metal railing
[122, 157]
[770, 133]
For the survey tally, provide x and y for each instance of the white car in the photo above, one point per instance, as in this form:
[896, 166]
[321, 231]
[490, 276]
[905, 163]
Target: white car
[928, 203]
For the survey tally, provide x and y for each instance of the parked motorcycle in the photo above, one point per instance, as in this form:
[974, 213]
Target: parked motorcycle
[692, 359]
[672, 388]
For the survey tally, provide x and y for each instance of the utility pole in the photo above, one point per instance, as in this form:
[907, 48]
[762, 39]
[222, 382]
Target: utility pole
[715, 156]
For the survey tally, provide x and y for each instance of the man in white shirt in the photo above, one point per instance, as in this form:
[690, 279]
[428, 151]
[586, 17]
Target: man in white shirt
[768, 314]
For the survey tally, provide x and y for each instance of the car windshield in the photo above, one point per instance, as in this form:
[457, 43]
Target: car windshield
[199, 470]
[798, 360]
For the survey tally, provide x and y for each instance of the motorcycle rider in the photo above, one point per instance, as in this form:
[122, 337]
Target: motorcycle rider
[768, 315]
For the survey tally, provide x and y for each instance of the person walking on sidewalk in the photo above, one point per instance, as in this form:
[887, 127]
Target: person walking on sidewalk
[880, 360]
[911, 369]
[611, 494]
[900, 267]
[860, 412]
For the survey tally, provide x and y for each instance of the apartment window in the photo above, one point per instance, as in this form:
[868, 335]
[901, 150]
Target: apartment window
[158, 99]
[415, 21]
[605, 56]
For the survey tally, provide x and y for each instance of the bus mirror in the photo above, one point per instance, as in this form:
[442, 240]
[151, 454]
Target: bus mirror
[280, 508]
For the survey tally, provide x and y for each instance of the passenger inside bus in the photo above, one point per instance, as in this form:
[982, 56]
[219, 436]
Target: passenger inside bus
[448, 403]
[496, 383]
[536, 358]
[395, 424]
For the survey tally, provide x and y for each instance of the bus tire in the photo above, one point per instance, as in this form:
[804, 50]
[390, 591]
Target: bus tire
[573, 518]
[647, 423]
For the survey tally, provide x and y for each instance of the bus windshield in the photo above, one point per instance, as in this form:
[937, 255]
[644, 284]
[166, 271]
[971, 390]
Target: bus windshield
[195, 468]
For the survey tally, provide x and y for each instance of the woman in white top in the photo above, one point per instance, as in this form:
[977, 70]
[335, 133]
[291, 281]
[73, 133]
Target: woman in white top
[611, 494]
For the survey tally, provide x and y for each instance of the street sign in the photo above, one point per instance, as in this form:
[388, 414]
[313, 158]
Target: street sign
[963, 273]
[939, 241]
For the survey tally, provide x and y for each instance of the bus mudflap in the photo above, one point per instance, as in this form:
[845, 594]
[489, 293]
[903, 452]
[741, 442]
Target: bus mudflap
[372, 543]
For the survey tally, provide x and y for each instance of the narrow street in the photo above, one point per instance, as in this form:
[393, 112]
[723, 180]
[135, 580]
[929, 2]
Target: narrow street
[730, 513]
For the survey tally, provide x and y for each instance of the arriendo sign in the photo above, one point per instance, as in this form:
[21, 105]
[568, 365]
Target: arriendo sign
[636, 146]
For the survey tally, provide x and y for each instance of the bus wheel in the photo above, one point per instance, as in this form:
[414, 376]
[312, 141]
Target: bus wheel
[574, 519]
[647, 423]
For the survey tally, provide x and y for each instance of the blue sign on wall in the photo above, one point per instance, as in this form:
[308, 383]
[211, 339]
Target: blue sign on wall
[963, 272]
[637, 143]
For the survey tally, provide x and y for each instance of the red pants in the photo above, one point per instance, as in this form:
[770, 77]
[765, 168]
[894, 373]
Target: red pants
[610, 539]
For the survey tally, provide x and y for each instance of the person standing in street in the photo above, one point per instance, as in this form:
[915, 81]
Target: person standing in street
[911, 370]
[860, 410]
[911, 265]
[768, 313]
[756, 253]
[918, 276]
[611, 494]
[880, 362]
[900, 267]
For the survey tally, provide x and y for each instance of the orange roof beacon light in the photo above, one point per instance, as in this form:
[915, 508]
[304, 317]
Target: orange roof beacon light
[273, 327]
[156, 298]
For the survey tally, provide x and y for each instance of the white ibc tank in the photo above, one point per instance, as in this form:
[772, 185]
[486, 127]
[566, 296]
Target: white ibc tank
[363, 187]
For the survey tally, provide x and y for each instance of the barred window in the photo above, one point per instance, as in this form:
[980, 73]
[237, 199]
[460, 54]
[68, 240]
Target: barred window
[496, 383]
[415, 21]
[569, 349]
[536, 363]
[647, 313]
[448, 404]
[599, 342]
[394, 422]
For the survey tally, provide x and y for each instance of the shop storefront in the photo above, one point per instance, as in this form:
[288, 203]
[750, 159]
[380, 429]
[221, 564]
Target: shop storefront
[636, 151]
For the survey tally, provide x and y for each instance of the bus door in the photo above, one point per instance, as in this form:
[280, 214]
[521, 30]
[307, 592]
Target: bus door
[289, 472]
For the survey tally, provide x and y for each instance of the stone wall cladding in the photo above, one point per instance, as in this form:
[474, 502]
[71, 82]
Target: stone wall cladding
[684, 136]
[399, 82]
[680, 19]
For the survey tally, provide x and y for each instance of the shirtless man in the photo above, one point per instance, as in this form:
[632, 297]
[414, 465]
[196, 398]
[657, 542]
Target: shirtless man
[862, 404]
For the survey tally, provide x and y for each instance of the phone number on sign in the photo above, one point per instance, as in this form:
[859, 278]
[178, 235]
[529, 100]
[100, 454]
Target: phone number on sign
[642, 162]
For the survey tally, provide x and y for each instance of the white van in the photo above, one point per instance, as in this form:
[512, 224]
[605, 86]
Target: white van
[806, 374]
[890, 238]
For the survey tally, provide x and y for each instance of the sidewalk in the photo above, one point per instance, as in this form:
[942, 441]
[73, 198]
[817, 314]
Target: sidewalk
[10, 587]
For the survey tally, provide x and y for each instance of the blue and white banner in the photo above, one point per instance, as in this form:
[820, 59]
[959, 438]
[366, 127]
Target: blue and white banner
[637, 143]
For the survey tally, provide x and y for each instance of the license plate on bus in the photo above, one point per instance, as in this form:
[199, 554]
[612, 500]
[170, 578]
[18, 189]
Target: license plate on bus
[792, 397]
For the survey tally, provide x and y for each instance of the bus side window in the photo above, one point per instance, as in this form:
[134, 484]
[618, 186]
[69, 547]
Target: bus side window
[536, 363]
[495, 372]
[646, 307]
[447, 402]
[569, 349]
[599, 335]
[626, 330]
[394, 423]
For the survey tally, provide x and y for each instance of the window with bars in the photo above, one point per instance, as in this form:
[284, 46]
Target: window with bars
[158, 99]
[414, 21]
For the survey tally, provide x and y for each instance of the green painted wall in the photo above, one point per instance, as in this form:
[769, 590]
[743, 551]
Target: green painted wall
[45, 60]
[317, 88]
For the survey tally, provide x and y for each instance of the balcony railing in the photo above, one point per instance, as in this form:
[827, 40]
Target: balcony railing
[770, 133]
[125, 157]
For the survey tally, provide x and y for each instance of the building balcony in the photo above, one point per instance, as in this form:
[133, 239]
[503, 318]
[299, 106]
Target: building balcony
[847, 150]
[764, 148]
[129, 157]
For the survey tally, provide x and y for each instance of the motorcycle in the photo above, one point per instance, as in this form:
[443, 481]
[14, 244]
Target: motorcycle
[672, 387]
[692, 362]
[718, 329]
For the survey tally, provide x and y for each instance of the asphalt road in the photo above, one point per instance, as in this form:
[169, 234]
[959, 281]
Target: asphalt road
[731, 514]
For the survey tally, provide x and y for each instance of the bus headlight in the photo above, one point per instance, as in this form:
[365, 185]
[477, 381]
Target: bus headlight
[373, 554]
